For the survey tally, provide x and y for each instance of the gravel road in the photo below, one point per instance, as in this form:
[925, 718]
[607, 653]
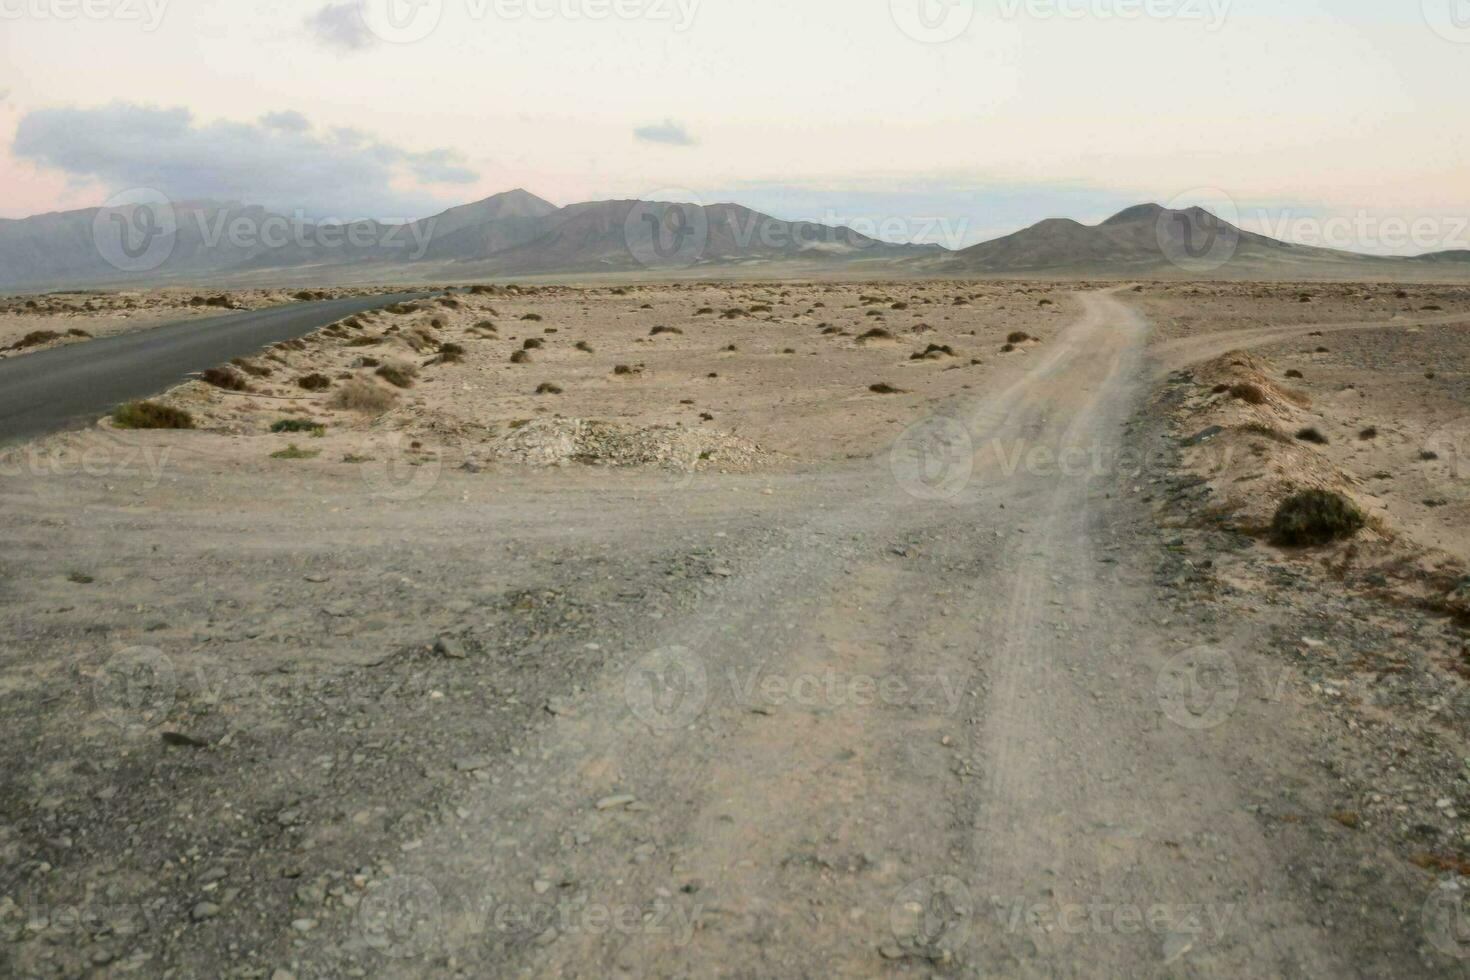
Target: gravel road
[922, 714]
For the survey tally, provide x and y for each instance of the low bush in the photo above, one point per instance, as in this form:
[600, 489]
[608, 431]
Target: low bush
[151, 415]
[361, 395]
[1315, 517]
[298, 425]
[398, 374]
[223, 377]
[1312, 434]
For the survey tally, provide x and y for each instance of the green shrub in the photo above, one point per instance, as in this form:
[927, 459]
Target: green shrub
[314, 382]
[151, 415]
[298, 425]
[294, 451]
[1315, 517]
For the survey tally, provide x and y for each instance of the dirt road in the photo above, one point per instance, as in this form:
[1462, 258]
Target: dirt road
[919, 714]
[904, 732]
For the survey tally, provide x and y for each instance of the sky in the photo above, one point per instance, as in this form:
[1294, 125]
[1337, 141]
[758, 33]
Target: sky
[935, 120]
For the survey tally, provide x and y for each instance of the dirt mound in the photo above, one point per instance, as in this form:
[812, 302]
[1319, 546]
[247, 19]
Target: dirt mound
[1248, 379]
[1244, 444]
[559, 441]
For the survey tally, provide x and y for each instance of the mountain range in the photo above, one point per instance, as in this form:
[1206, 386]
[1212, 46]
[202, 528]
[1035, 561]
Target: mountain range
[519, 234]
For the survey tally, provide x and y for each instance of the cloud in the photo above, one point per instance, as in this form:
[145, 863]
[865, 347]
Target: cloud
[279, 162]
[341, 26]
[289, 121]
[668, 132]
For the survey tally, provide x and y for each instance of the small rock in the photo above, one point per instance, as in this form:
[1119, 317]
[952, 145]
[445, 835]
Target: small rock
[204, 910]
[450, 648]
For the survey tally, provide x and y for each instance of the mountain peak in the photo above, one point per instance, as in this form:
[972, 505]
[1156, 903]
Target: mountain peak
[1139, 212]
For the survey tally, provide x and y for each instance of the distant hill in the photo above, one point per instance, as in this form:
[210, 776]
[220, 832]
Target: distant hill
[1141, 240]
[510, 233]
[519, 234]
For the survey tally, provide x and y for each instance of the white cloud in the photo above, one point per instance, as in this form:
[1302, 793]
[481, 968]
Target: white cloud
[341, 26]
[279, 162]
[288, 121]
[668, 132]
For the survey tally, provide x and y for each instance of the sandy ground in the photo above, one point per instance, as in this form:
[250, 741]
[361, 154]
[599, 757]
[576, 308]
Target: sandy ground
[793, 690]
[753, 374]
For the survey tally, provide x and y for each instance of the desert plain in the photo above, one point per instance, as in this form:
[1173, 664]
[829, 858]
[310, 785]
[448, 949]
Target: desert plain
[822, 628]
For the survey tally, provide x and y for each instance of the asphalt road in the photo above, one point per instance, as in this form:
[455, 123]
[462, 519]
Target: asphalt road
[53, 389]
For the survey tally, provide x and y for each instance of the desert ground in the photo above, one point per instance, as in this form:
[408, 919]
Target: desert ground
[751, 629]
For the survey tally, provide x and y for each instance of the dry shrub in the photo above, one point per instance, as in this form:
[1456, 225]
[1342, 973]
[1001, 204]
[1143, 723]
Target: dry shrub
[223, 377]
[399, 374]
[314, 382]
[1249, 393]
[361, 395]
